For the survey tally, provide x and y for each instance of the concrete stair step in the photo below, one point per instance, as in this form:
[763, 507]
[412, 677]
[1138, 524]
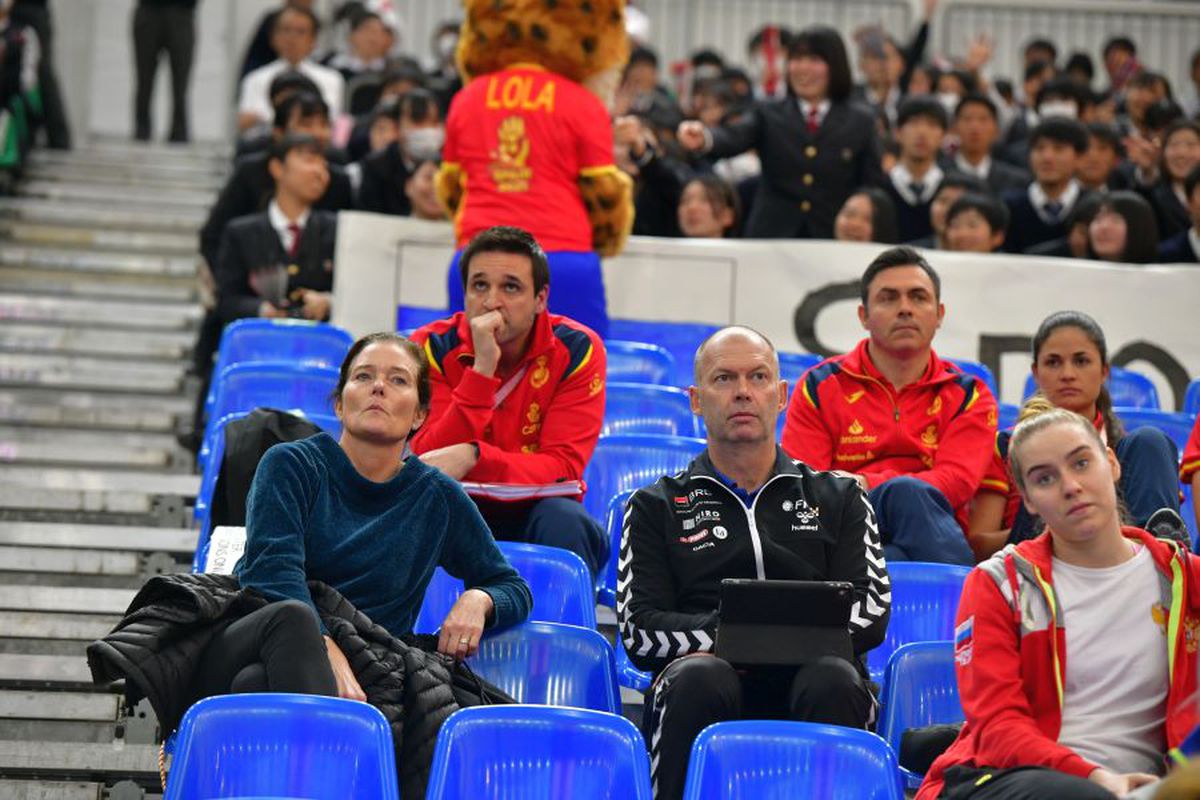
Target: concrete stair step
[120, 196]
[97, 238]
[178, 541]
[91, 410]
[147, 217]
[83, 261]
[82, 372]
[163, 346]
[99, 286]
[80, 312]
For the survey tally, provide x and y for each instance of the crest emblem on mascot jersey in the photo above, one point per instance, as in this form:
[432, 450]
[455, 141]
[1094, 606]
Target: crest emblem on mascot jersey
[508, 159]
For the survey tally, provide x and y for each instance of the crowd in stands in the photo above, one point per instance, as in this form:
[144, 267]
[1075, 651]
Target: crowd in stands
[888, 453]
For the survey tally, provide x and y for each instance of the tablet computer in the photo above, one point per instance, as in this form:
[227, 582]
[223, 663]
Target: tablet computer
[783, 623]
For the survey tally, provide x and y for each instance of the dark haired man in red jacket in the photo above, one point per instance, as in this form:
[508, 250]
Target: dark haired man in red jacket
[914, 430]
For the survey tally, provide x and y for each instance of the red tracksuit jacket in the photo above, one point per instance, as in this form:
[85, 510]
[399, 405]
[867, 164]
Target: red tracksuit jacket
[1191, 457]
[941, 429]
[545, 429]
[1011, 659]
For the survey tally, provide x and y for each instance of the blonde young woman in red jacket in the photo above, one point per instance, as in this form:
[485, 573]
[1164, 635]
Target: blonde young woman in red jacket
[1075, 651]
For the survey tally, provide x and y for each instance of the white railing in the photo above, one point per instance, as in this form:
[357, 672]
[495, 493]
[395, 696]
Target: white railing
[1166, 33]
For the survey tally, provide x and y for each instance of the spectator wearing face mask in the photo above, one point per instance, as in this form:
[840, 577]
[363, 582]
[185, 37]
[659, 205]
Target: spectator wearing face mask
[384, 173]
[1060, 97]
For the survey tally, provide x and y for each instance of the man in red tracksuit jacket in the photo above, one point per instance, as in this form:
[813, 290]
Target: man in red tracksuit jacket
[914, 429]
[517, 394]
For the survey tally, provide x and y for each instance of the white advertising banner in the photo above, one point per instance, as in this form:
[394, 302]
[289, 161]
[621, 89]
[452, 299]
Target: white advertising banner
[803, 295]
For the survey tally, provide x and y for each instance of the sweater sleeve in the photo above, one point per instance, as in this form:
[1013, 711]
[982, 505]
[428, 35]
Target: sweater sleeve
[471, 554]
[653, 630]
[858, 558]
[988, 664]
[277, 513]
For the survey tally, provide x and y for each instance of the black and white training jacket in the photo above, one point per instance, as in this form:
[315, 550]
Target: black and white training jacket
[688, 531]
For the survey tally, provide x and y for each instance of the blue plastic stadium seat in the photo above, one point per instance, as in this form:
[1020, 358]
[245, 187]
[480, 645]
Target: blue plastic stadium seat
[1128, 389]
[292, 341]
[519, 752]
[648, 408]
[1188, 511]
[627, 674]
[319, 748]
[606, 588]
[793, 365]
[680, 339]
[548, 664]
[269, 384]
[921, 690]
[638, 362]
[979, 371]
[214, 447]
[756, 760]
[1007, 416]
[562, 587]
[621, 463]
[409, 318]
[1191, 399]
[924, 602]
[1177, 426]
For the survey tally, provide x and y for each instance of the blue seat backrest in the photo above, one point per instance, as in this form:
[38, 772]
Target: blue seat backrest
[924, 603]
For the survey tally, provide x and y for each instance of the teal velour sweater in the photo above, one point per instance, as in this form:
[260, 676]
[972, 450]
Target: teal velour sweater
[310, 515]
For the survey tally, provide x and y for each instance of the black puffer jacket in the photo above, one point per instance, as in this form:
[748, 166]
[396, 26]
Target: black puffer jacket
[172, 619]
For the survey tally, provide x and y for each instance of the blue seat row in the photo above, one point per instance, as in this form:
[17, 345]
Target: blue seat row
[323, 748]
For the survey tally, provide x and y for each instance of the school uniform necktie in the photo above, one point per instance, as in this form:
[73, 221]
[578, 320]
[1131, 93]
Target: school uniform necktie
[814, 121]
[295, 231]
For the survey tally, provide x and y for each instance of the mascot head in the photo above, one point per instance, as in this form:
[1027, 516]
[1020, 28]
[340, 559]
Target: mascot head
[583, 40]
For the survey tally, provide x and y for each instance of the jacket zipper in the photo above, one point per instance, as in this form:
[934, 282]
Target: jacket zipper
[893, 396]
[755, 539]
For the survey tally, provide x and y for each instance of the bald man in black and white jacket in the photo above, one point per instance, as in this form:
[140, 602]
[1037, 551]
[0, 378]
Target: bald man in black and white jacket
[742, 509]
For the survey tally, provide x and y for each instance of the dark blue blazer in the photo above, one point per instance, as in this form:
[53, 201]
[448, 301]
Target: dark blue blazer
[1177, 250]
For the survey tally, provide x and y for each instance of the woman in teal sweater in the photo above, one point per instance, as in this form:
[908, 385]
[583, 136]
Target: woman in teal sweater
[356, 515]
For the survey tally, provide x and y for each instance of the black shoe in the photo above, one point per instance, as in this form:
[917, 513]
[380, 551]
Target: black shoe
[1167, 524]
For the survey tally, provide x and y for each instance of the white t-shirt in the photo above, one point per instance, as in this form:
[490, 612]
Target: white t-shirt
[254, 96]
[1115, 693]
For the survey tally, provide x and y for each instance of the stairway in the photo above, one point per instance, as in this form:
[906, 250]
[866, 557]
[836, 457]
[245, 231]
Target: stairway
[98, 310]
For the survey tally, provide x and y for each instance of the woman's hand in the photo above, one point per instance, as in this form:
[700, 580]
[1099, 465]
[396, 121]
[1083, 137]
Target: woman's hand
[1120, 785]
[463, 626]
[347, 684]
